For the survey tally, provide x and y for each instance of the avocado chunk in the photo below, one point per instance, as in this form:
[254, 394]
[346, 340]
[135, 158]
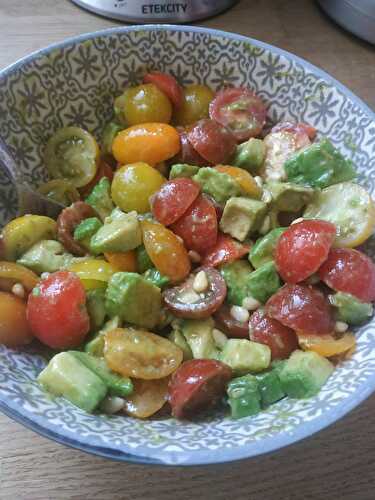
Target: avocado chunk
[264, 282]
[244, 397]
[66, 376]
[178, 338]
[289, 197]
[245, 356]
[250, 155]
[116, 385]
[198, 335]
[304, 373]
[109, 133]
[156, 278]
[219, 185]
[134, 299]
[87, 228]
[350, 309]
[120, 234]
[319, 166]
[100, 198]
[95, 346]
[236, 275]
[143, 260]
[270, 387]
[182, 170]
[263, 250]
[95, 300]
[46, 256]
[242, 216]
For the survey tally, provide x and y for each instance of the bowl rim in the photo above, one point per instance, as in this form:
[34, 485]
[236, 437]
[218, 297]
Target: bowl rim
[201, 457]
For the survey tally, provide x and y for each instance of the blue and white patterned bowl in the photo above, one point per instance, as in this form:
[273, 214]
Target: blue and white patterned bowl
[74, 83]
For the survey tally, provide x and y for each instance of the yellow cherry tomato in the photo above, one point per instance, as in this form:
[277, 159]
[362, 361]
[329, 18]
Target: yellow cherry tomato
[141, 354]
[326, 345]
[123, 261]
[11, 273]
[133, 185]
[146, 103]
[22, 233]
[166, 251]
[94, 273]
[244, 179]
[150, 142]
[147, 398]
[14, 328]
[195, 105]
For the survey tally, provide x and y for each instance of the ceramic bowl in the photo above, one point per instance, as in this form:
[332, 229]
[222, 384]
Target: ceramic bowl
[74, 82]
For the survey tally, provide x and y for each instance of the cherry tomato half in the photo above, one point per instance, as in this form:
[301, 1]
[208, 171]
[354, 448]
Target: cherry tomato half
[198, 226]
[147, 398]
[14, 328]
[232, 327]
[280, 339]
[213, 142]
[197, 385]
[12, 273]
[167, 84]
[240, 110]
[303, 248]
[326, 345]
[196, 100]
[123, 261]
[56, 311]
[350, 271]
[104, 170]
[173, 199]
[301, 307]
[187, 153]
[225, 250]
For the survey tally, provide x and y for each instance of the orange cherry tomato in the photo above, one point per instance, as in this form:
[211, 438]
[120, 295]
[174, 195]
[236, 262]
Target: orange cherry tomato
[166, 251]
[148, 397]
[11, 273]
[151, 143]
[326, 345]
[123, 261]
[244, 179]
[14, 328]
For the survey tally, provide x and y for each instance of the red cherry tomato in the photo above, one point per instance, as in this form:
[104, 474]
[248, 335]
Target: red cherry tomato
[280, 339]
[197, 385]
[198, 226]
[232, 327]
[224, 251]
[303, 308]
[56, 311]
[240, 110]
[187, 153]
[304, 132]
[213, 142]
[167, 84]
[303, 248]
[173, 199]
[104, 170]
[350, 271]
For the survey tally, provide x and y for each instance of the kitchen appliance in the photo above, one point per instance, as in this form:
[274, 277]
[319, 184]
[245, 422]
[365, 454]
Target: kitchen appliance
[151, 11]
[357, 16]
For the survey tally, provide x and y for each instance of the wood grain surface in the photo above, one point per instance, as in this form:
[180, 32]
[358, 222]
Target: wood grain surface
[339, 462]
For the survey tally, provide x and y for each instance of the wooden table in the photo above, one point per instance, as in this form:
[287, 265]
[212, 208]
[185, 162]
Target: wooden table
[339, 462]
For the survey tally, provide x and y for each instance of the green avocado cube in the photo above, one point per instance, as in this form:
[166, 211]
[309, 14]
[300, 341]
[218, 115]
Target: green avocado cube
[264, 282]
[100, 198]
[244, 397]
[95, 300]
[87, 228]
[270, 388]
[250, 155]
[66, 376]
[304, 373]
[46, 256]
[263, 250]
[236, 275]
[95, 346]
[198, 335]
[134, 299]
[117, 385]
[320, 165]
[242, 216]
[350, 309]
[245, 356]
[182, 170]
[289, 197]
[119, 235]
[219, 185]
[156, 278]
[178, 338]
[143, 260]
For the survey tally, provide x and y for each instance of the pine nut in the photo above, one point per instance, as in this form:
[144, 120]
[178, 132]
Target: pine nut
[258, 180]
[220, 338]
[200, 283]
[112, 404]
[194, 256]
[189, 297]
[296, 221]
[266, 196]
[239, 314]
[44, 275]
[266, 225]
[341, 326]
[250, 304]
[18, 290]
